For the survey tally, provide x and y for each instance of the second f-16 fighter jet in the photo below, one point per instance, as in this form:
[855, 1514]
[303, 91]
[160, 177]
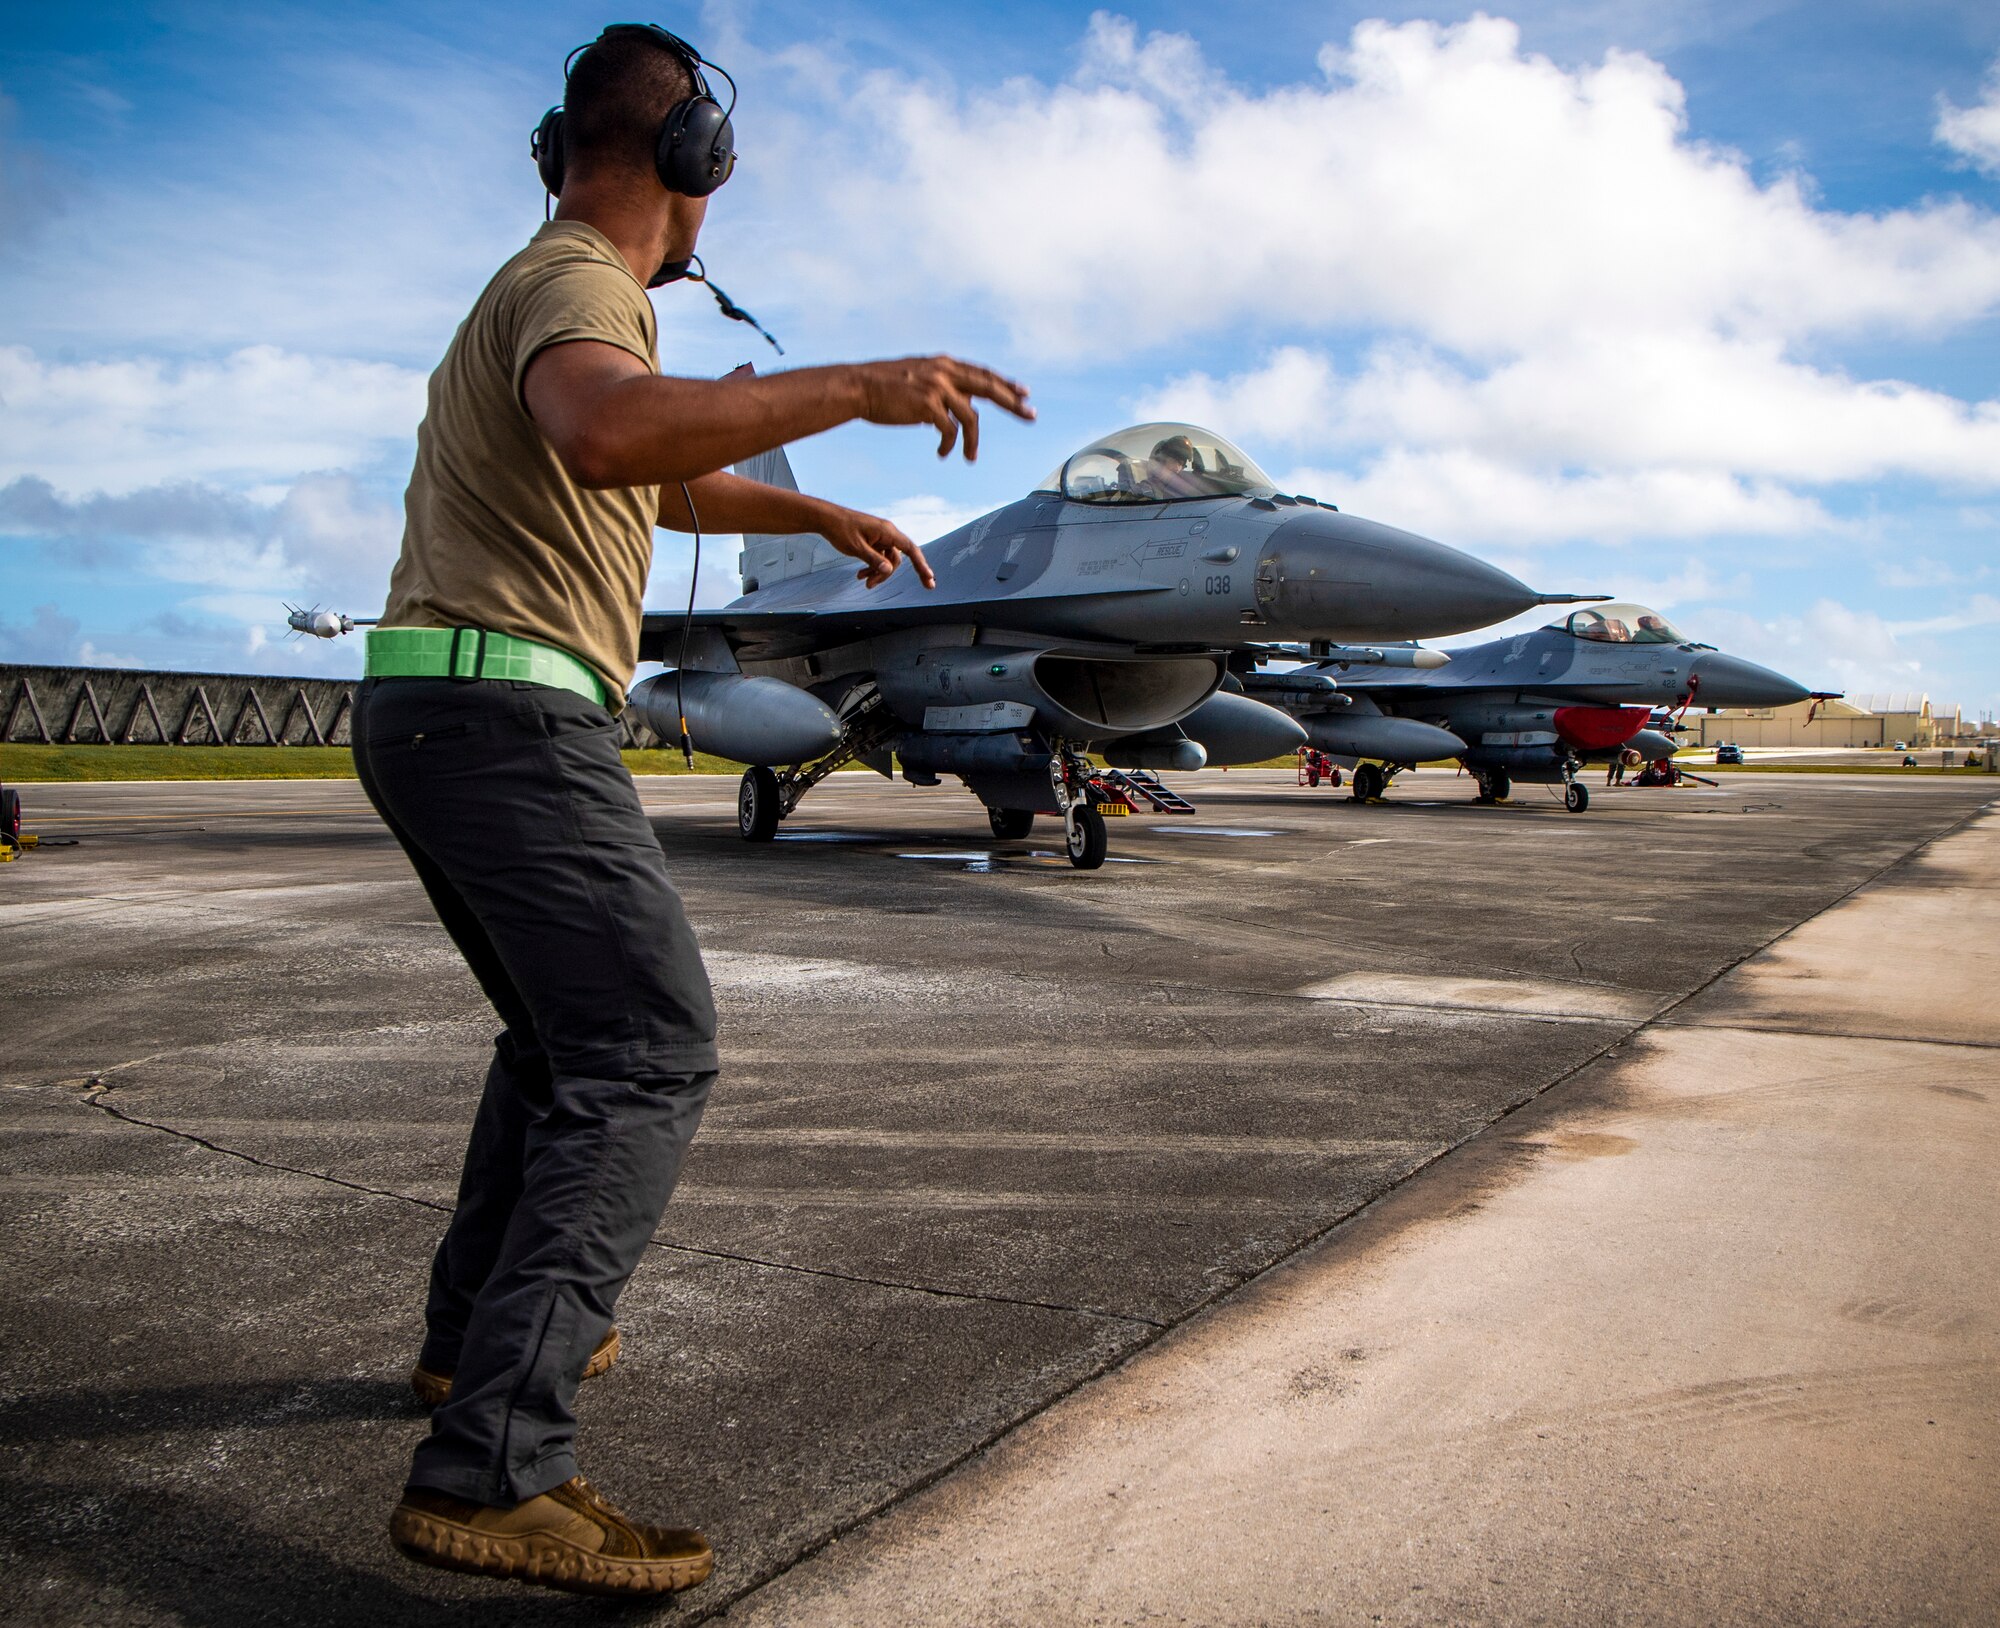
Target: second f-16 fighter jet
[1094, 615]
[1534, 707]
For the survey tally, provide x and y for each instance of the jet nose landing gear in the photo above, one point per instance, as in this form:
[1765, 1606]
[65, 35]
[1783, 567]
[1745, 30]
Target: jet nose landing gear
[1576, 795]
[1085, 837]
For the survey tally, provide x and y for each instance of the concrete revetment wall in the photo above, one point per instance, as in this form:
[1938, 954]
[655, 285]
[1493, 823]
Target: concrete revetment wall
[124, 706]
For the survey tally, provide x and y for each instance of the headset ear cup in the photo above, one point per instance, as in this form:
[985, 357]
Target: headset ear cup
[697, 148]
[547, 146]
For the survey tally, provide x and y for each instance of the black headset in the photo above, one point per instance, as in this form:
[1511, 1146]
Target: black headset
[694, 154]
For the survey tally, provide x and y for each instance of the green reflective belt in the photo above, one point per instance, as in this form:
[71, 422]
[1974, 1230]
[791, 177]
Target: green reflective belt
[473, 652]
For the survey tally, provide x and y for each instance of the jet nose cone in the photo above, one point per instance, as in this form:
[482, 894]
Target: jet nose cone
[1337, 576]
[1730, 681]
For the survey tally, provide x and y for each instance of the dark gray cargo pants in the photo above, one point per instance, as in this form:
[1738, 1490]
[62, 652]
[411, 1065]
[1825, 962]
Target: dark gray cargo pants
[526, 832]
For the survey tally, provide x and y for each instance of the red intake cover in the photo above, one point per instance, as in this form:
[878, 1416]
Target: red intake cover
[1592, 729]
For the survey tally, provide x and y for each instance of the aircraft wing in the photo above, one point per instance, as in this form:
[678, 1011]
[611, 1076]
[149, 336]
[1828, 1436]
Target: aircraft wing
[769, 635]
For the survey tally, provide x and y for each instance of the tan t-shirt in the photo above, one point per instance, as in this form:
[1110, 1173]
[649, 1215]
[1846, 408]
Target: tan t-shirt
[496, 534]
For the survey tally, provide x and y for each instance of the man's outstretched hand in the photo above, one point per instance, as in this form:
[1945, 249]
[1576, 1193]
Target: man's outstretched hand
[876, 543]
[938, 390]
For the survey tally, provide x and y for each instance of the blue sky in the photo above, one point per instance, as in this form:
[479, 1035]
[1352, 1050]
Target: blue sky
[1693, 303]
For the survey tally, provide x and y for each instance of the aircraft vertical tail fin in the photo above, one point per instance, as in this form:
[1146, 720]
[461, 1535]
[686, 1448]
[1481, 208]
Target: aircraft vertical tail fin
[773, 468]
[768, 559]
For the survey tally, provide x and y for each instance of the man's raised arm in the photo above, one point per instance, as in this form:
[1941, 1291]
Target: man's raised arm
[613, 422]
[726, 502]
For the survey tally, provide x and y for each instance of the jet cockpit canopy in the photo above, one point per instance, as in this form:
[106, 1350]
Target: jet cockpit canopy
[1622, 624]
[1158, 463]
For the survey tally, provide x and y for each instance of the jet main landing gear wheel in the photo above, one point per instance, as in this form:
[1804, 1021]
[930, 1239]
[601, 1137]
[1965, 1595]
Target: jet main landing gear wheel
[1576, 797]
[1011, 824]
[1086, 837]
[1369, 782]
[758, 809]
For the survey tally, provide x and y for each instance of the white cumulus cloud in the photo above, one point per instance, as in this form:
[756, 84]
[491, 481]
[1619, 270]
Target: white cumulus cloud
[1577, 319]
[325, 539]
[1974, 132]
[1828, 646]
[1435, 179]
[256, 414]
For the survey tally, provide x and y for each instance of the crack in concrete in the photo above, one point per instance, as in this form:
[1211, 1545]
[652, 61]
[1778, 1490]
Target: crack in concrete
[98, 1089]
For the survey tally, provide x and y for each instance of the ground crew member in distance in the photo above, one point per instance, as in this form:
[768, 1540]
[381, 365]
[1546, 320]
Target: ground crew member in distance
[485, 735]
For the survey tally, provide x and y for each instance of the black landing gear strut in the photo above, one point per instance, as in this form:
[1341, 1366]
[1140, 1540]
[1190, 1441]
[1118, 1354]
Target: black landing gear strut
[1371, 781]
[766, 796]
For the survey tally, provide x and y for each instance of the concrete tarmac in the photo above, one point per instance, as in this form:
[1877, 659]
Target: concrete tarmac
[1712, 1335]
[988, 1130]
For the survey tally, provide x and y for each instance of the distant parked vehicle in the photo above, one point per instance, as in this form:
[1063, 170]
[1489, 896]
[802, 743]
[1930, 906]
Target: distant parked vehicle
[1729, 752]
[1901, 746]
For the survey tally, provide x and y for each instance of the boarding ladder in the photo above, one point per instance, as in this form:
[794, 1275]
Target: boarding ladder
[1138, 786]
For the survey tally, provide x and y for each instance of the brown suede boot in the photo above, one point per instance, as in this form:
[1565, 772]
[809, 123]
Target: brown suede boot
[434, 1388]
[567, 1538]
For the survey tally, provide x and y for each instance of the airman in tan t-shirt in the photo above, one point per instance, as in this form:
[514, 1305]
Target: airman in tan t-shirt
[499, 535]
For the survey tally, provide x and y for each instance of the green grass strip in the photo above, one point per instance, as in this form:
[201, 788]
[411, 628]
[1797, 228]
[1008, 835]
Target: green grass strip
[25, 763]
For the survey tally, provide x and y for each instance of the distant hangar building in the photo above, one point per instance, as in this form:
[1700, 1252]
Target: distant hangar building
[1908, 716]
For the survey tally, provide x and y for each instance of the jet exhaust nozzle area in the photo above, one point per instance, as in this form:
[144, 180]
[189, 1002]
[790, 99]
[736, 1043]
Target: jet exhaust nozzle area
[1337, 576]
[752, 720]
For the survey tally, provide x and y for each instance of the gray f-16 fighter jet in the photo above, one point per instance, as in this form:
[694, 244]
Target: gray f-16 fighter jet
[1534, 707]
[1096, 614]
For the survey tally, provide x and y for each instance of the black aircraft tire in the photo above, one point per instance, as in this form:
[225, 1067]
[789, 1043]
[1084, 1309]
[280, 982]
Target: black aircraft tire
[757, 810]
[1369, 782]
[1576, 797]
[1500, 784]
[1011, 824]
[1088, 840]
[10, 814]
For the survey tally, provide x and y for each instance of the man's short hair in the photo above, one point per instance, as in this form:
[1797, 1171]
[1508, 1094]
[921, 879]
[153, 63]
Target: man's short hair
[618, 95]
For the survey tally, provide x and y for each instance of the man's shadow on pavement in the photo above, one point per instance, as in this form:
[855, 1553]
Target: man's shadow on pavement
[217, 1553]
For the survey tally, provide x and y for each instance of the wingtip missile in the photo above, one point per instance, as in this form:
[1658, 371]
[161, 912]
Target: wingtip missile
[1356, 655]
[322, 624]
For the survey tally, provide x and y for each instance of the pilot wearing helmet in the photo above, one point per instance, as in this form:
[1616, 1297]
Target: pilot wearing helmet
[1174, 468]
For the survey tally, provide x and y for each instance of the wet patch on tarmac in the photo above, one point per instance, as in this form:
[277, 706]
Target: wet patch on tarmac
[1221, 830]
